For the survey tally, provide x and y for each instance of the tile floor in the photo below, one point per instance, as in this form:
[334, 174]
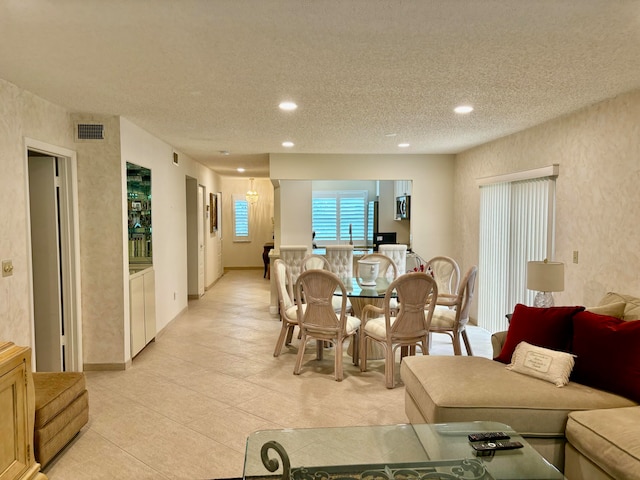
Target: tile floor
[190, 399]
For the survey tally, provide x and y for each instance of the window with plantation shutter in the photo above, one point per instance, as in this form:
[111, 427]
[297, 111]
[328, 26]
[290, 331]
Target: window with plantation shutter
[334, 213]
[240, 219]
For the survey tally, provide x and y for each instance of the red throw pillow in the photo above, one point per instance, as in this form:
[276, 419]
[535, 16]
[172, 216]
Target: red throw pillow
[544, 327]
[606, 350]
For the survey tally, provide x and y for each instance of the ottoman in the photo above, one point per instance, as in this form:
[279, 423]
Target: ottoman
[62, 409]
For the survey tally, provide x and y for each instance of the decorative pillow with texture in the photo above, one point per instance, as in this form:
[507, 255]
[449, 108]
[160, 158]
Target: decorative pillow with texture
[543, 327]
[606, 350]
[612, 309]
[543, 363]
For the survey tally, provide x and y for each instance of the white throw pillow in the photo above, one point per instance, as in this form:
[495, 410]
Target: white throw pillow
[543, 363]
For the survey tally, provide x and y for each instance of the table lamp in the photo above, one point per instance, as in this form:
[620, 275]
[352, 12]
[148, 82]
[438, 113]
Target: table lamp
[545, 277]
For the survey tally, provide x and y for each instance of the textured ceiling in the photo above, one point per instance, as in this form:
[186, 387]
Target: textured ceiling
[207, 75]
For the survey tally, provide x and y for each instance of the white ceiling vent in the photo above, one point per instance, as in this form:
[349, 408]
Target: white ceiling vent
[90, 131]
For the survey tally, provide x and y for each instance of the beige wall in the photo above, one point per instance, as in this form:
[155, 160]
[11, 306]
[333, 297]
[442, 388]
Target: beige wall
[102, 220]
[432, 195]
[102, 225]
[247, 254]
[598, 194]
[22, 114]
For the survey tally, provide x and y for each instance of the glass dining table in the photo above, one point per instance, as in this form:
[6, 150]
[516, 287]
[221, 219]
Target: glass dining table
[361, 295]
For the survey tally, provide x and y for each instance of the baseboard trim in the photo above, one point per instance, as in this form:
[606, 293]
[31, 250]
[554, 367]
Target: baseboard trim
[105, 367]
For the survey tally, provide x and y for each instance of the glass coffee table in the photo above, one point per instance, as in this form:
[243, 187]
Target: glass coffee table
[389, 452]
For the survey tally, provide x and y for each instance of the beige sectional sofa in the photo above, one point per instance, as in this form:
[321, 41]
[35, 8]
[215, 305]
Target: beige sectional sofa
[586, 432]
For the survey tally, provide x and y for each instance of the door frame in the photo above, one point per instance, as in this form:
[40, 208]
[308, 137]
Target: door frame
[70, 246]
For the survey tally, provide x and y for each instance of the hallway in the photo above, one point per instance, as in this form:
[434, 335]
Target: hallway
[186, 406]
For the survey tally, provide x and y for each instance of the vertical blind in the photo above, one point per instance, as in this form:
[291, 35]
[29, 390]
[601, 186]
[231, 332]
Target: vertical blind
[516, 226]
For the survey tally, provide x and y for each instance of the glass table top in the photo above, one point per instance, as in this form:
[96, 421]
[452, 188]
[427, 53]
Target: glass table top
[355, 288]
[389, 452]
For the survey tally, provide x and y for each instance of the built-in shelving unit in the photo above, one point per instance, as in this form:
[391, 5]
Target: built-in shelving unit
[139, 210]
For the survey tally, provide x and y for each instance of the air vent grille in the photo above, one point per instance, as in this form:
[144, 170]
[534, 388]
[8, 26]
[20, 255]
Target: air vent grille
[175, 158]
[90, 131]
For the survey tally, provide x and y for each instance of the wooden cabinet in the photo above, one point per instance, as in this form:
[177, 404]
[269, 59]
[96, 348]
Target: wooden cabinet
[17, 410]
[142, 308]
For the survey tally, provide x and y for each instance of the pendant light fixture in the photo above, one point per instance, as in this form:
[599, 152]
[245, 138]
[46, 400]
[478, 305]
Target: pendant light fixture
[252, 195]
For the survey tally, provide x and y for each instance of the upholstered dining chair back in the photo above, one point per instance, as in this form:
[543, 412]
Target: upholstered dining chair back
[287, 308]
[446, 272]
[315, 262]
[292, 255]
[416, 292]
[341, 260]
[387, 269]
[315, 290]
[453, 318]
[398, 253]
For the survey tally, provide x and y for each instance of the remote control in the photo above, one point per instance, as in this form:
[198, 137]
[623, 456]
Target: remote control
[497, 445]
[488, 436]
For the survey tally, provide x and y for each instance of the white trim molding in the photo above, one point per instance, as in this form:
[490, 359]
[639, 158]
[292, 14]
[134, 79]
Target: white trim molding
[542, 172]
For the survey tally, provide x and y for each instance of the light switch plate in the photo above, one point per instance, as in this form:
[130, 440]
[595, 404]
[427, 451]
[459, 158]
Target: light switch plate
[7, 268]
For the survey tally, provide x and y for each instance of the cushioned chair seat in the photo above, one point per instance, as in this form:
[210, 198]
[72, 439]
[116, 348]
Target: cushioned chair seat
[608, 438]
[62, 409]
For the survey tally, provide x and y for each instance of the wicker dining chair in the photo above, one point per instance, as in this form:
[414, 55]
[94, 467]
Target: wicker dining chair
[452, 319]
[288, 309]
[408, 329]
[318, 320]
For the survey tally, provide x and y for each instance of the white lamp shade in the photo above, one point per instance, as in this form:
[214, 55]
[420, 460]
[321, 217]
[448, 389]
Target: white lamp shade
[545, 276]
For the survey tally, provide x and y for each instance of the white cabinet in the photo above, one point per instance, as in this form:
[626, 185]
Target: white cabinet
[142, 309]
[402, 187]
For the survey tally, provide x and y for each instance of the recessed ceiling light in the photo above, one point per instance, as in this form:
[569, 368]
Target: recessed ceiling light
[288, 106]
[390, 134]
[240, 169]
[403, 145]
[463, 109]
[224, 152]
[287, 144]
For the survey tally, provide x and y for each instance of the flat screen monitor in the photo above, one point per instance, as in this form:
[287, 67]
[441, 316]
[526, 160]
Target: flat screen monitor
[382, 238]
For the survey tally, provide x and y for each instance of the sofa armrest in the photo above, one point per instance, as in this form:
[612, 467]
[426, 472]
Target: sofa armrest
[497, 341]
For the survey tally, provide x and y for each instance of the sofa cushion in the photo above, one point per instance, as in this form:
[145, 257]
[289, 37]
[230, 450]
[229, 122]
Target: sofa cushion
[632, 307]
[609, 438]
[606, 350]
[615, 309]
[463, 389]
[543, 327]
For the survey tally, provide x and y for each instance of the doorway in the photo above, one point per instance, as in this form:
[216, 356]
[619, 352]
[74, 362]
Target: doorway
[195, 202]
[55, 260]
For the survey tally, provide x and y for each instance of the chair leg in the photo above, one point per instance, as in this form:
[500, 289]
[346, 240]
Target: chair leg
[467, 345]
[301, 348]
[281, 339]
[389, 363]
[319, 349]
[363, 352]
[355, 353]
[290, 330]
[456, 344]
[338, 360]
